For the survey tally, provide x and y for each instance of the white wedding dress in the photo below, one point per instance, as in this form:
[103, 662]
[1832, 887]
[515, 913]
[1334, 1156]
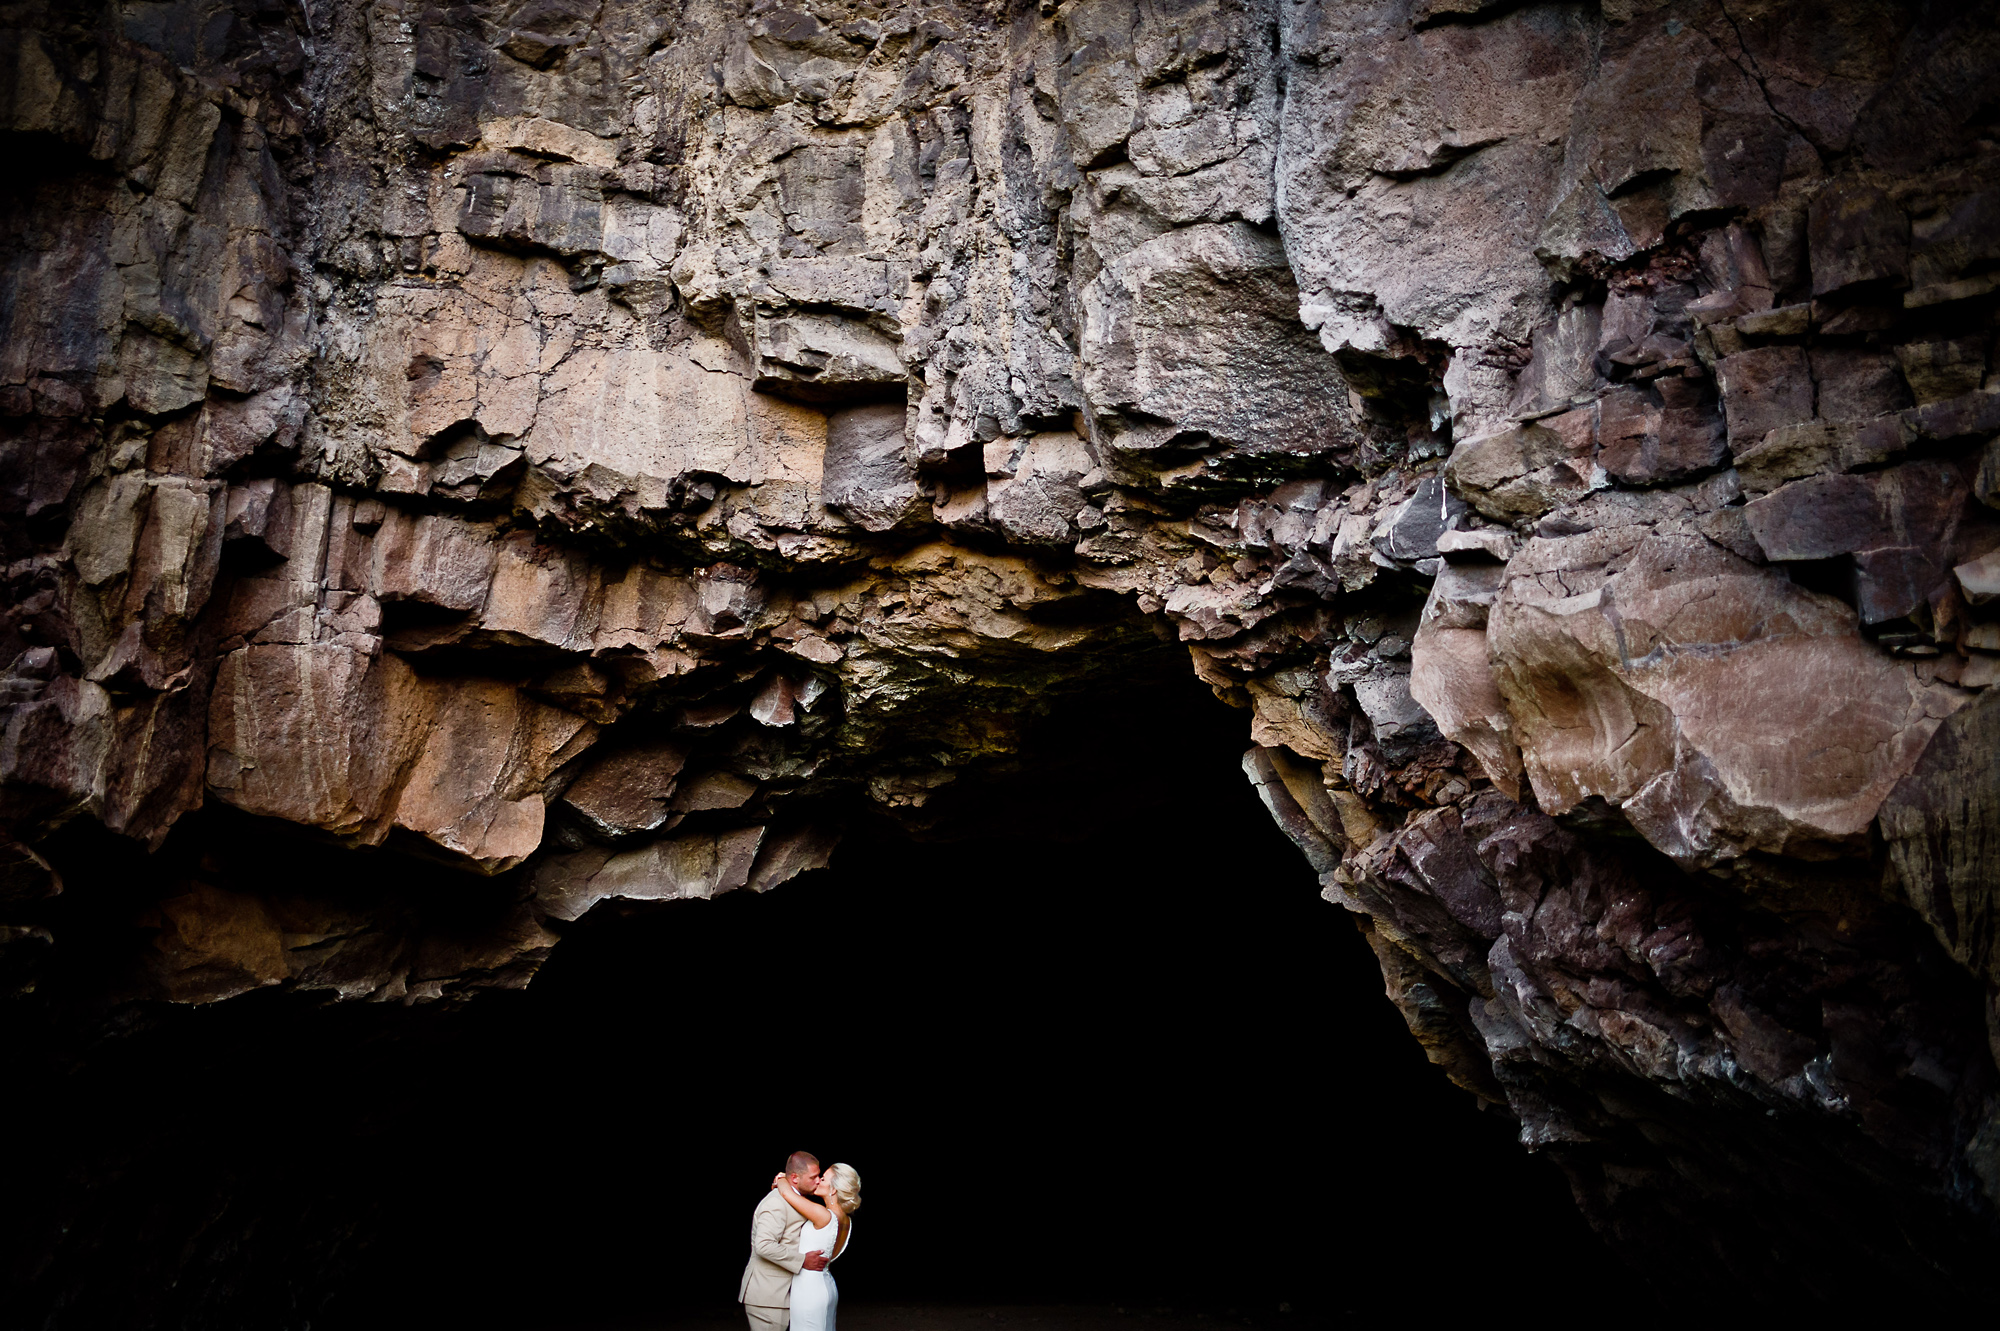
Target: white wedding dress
[814, 1295]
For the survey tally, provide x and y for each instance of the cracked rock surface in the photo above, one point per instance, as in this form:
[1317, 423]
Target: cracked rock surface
[599, 450]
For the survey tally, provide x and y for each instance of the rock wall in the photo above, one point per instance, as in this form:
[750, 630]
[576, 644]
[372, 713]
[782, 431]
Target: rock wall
[598, 448]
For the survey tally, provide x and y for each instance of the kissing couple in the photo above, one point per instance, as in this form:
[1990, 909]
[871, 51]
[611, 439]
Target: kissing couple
[801, 1225]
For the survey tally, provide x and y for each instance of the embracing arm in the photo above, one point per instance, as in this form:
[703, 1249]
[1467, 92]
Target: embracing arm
[767, 1240]
[814, 1213]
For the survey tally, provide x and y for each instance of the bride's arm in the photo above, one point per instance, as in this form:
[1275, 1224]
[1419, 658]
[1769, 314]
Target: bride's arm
[805, 1206]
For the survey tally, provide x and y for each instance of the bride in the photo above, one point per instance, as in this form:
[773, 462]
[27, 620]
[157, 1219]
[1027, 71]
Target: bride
[814, 1295]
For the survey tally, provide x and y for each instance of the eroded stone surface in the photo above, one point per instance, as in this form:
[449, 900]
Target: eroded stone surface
[1677, 680]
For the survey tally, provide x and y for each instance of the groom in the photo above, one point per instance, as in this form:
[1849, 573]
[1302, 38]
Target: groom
[774, 1251]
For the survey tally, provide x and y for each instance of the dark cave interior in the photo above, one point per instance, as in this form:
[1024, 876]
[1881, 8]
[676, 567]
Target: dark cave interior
[1104, 1043]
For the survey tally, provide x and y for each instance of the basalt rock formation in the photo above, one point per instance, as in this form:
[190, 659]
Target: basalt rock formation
[595, 448]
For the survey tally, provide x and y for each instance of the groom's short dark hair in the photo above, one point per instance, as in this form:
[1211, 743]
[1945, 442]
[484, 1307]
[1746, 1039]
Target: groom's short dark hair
[800, 1162]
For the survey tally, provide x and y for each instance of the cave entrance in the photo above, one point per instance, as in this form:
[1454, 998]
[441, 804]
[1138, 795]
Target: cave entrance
[1104, 1045]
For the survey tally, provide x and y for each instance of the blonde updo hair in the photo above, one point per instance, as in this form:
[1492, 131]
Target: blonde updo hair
[846, 1182]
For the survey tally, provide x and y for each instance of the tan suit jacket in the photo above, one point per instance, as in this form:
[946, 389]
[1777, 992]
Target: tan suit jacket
[774, 1254]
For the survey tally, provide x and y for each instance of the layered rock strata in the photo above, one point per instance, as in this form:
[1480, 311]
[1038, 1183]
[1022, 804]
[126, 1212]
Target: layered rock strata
[594, 447]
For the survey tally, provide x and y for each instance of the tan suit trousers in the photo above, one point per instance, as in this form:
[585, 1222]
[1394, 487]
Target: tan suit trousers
[767, 1319]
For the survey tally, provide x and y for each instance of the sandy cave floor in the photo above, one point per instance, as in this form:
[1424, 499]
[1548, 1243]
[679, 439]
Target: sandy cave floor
[949, 1317]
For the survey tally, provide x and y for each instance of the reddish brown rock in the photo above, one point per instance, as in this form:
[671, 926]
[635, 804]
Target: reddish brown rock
[628, 791]
[1859, 236]
[476, 788]
[1452, 679]
[1942, 827]
[211, 944]
[1764, 390]
[1668, 432]
[1522, 472]
[1685, 685]
[316, 734]
[690, 865]
[1903, 527]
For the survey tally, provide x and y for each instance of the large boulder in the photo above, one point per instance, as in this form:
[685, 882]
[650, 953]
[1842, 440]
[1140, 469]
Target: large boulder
[1662, 674]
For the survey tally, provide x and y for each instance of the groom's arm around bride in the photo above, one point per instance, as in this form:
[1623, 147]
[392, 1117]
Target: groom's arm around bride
[766, 1293]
